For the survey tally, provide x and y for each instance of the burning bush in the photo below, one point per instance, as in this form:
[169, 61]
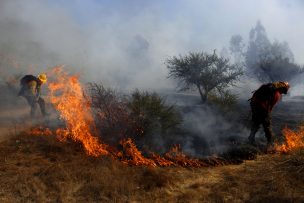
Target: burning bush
[111, 115]
[136, 123]
[66, 94]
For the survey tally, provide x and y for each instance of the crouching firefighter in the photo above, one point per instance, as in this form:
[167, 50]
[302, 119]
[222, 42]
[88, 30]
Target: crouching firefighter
[262, 102]
[30, 90]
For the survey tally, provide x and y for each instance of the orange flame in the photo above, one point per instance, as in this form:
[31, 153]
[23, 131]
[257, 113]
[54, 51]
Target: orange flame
[293, 140]
[67, 95]
[179, 158]
[175, 157]
[133, 155]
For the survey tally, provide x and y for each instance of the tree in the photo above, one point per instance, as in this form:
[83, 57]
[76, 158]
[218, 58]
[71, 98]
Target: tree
[277, 68]
[237, 48]
[206, 72]
[258, 47]
[267, 61]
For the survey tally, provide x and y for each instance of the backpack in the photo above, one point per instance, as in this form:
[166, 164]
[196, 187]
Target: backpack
[25, 80]
[264, 92]
[28, 78]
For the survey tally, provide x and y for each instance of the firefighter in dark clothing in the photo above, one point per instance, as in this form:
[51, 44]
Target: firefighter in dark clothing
[30, 90]
[262, 102]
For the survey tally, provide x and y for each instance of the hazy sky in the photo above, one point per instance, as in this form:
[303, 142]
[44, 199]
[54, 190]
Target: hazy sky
[124, 43]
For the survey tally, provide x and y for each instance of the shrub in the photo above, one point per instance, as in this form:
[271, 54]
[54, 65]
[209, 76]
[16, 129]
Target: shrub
[111, 115]
[143, 116]
[150, 113]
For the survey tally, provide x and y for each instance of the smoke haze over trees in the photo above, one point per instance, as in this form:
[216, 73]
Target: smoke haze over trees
[267, 61]
[125, 44]
[203, 71]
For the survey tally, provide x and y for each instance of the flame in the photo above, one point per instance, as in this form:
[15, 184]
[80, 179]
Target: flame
[179, 158]
[133, 155]
[293, 140]
[175, 157]
[67, 95]
[68, 98]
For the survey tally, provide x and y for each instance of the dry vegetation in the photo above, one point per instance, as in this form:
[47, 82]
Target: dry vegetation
[41, 169]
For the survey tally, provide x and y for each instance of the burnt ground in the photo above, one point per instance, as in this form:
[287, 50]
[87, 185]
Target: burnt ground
[289, 113]
[41, 169]
[218, 138]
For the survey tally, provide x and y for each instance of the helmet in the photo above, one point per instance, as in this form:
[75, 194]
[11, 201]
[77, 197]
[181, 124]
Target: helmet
[282, 85]
[42, 77]
[286, 85]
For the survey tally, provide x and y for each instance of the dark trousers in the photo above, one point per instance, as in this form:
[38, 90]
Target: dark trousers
[33, 102]
[260, 117]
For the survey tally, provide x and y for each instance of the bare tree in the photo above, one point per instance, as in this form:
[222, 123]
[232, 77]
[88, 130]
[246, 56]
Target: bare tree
[206, 72]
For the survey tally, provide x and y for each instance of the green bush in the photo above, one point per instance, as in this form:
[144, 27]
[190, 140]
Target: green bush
[143, 116]
[150, 114]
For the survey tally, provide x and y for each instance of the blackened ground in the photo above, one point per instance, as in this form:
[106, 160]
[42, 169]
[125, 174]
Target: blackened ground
[41, 169]
[207, 130]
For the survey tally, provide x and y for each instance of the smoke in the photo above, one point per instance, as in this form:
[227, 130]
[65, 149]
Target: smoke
[124, 43]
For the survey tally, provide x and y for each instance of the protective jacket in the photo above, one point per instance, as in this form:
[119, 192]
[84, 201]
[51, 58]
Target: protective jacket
[30, 90]
[266, 97]
[262, 102]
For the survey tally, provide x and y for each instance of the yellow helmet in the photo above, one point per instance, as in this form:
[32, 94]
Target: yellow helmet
[42, 77]
[282, 85]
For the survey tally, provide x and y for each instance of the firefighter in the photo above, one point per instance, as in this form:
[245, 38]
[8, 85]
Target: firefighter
[262, 102]
[30, 90]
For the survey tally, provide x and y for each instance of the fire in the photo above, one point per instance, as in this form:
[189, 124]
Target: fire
[133, 155]
[179, 158]
[67, 95]
[175, 157]
[68, 98]
[293, 140]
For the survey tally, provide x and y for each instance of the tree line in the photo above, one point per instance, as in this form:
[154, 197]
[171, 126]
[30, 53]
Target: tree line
[211, 74]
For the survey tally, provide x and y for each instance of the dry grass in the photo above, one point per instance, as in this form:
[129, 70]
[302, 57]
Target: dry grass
[41, 169]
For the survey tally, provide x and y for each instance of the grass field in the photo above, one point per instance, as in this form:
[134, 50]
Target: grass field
[41, 169]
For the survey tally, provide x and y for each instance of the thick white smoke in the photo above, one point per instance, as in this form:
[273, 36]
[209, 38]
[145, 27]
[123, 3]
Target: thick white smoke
[125, 44]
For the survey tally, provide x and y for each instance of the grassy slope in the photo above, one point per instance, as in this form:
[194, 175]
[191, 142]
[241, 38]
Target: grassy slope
[41, 169]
